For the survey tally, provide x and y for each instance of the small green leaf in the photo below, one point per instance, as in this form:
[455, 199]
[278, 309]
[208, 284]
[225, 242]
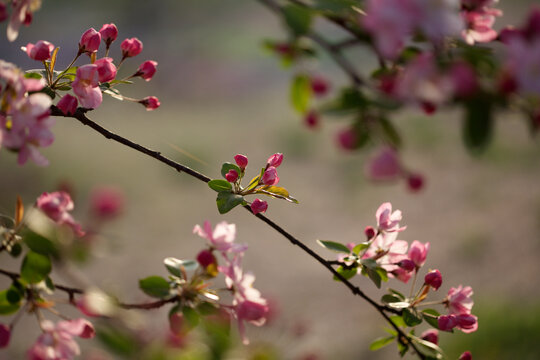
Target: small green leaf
[121, 82]
[40, 244]
[220, 185]
[477, 125]
[298, 18]
[360, 247]
[373, 275]
[428, 348]
[226, 201]
[174, 266]
[277, 192]
[411, 318]
[334, 246]
[381, 342]
[155, 286]
[346, 273]
[398, 321]
[13, 295]
[32, 75]
[7, 308]
[382, 273]
[390, 133]
[118, 341]
[226, 167]
[35, 267]
[397, 293]
[431, 315]
[388, 299]
[191, 316]
[300, 93]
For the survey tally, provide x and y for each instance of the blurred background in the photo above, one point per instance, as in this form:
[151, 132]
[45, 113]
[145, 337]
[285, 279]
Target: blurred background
[221, 94]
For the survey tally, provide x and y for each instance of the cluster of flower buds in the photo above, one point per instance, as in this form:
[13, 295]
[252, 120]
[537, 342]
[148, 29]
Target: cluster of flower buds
[21, 14]
[383, 256]
[231, 193]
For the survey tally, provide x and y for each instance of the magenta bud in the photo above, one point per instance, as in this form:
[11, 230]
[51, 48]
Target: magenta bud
[131, 47]
[433, 279]
[275, 160]
[106, 202]
[431, 335]
[347, 139]
[150, 103]
[89, 42]
[241, 161]
[106, 69]
[39, 51]
[270, 176]
[407, 265]
[147, 70]
[319, 85]
[465, 356]
[446, 322]
[311, 119]
[109, 33]
[231, 176]
[68, 104]
[370, 232]
[3, 12]
[205, 258]
[258, 206]
[415, 182]
[5, 335]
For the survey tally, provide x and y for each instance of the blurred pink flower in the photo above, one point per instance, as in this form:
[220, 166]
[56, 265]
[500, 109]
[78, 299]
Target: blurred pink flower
[21, 14]
[434, 279]
[431, 335]
[465, 356]
[56, 206]
[384, 165]
[106, 202]
[109, 33]
[5, 335]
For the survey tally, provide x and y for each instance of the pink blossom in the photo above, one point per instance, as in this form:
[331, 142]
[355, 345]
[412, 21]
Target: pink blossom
[221, 238]
[5, 335]
[21, 14]
[241, 161]
[319, 85]
[150, 103]
[106, 202]
[131, 47]
[387, 220]
[467, 323]
[387, 251]
[86, 86]
[270, 176]
[68, 104]
[231, 176]
[109, 33]
[106, 69]
[90, 41]
[347, 139]
[258, 206]
[384, 165]
[459, 300]
[418, 253]
[56, 206]
[434, 279]
[147, 70]
[431, 335]
[479, 25]
[275, 160]
[446, 322]
[465, 356]
[40, 51]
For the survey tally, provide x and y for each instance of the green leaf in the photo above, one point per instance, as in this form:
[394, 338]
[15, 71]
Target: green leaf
[35, 267]
[174, 266]
[16, 250]
[477, 125]
[360, 247]
[121, 82]
[382, 273]
[346, 273]
[297, 18]
[390, 133]
[226, 201]
[33, 75]
[398, 321]
[381, 342]
[226, 167]
[206, 308]
[119, 342]
[334, 246]
[431, 315]
[220, 185]
[411, 318]
[300, 93]
[13, 295]
[7, 308]
[40, 244]
[155, 286]
[428, 348]
[388, 299]
[191, 316]
[397, 293]
[349, 100]
[339, 6]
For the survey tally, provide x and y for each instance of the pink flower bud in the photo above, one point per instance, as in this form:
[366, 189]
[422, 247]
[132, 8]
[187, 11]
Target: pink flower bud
[131, 47]
[370, 232]
[28, 17]
[147, 70]
[258, 206]
[347, 139]
[433, 279]
[106, 202]
[319, 85]
[311, 119]
[150, 103]
[231, 176]
[241, 161]
[270, 176]
[407, 265]
[106, 69]
[446, 322]
[431, 335]
[465, 356]
[88, 331]
[109, 33]
[418, 253]
[275, 160]
[40, 51]
[428, 107]
[3, 12]
[205, 258]
[89, 42]
[415, 182]
[5, 335]
[68, 104]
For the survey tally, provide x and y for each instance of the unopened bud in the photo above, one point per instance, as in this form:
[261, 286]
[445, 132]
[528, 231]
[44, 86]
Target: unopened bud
[241, 161]
[370, 232]
[433, 279]
[231, 176]
[258, 206]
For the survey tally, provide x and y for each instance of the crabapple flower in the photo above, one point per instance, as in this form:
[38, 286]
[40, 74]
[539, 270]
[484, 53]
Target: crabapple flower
[433, 279]
[446, 322]
[270, 176]
[241, 161]
[68, 104]
[56, 206]
[465, 356]
[106, 69]
[150, 103]
[231, 176]
[131, 47]
[431, 335]
[221, 238]
[106, 202]
[275, 160]
[384, 166]
[418, 253]
[258, 206]
[459, 300]
[86, 86]
[90, 41]
[479, 25]
[465, 322]
[109, 33]
[387, 220]
[21, 14]
[39, 51]
[5, 335]
[147, 70]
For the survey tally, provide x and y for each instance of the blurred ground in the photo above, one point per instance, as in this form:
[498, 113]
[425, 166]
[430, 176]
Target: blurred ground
[222, 95]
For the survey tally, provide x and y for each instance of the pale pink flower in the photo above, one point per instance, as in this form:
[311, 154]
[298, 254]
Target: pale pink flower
[68, 104]
[270, 176]
[90, 41]
[150, 103]
[39, 51]
[131, 47]
[5, 335]
[259, 206]
[106, 202]
[109, 33]
[254, 312]
[431, 335]
[384, 165]
[387, 220]
[478, 25]
[56, 206]
[241, 161]
[275, 160]
[388, 252]
[147, 70]
[221, 237]
[418, 253]
[459, 300]
[86, 86]
[106, 69]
